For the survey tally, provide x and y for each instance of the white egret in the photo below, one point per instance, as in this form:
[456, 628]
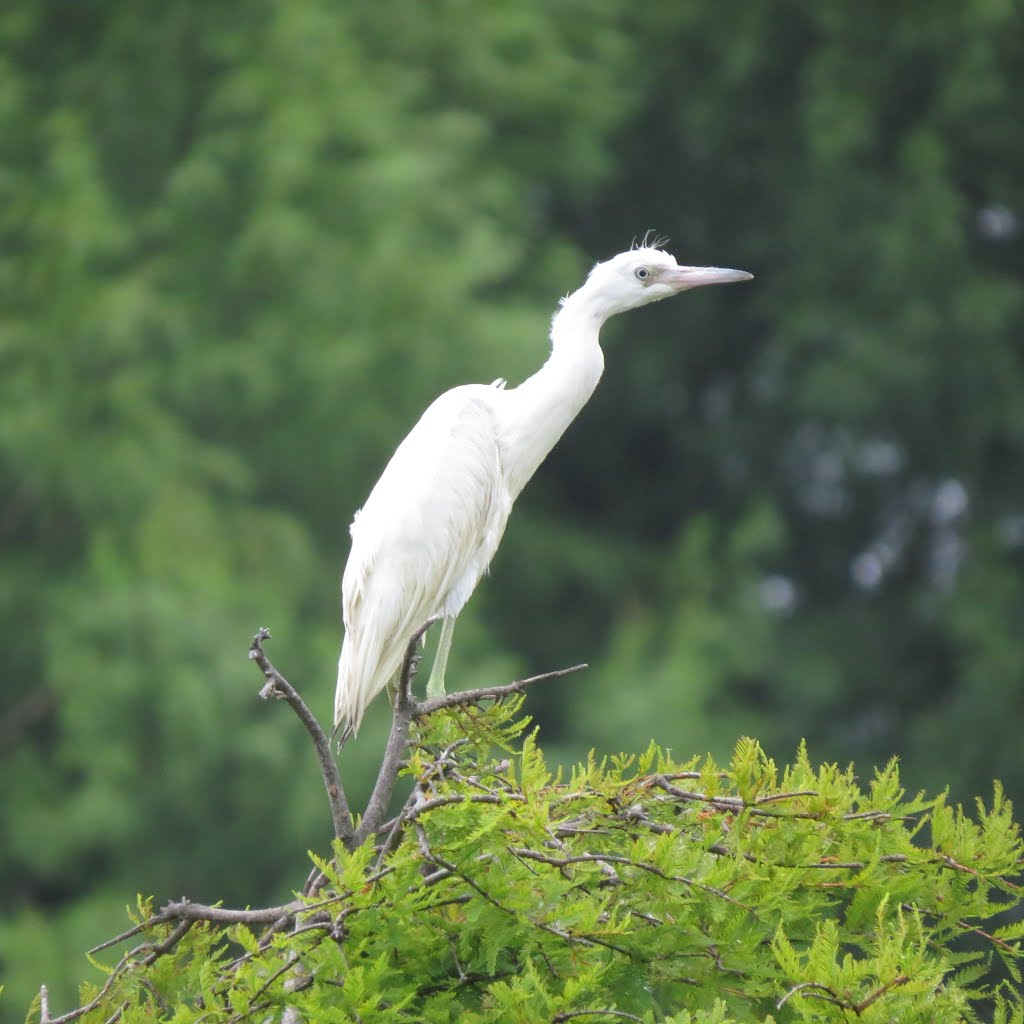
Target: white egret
[433, 521]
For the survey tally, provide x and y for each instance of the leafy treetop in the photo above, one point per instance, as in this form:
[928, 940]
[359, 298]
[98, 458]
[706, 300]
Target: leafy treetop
[635, 889]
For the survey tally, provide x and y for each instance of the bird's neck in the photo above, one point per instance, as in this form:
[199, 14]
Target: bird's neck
[546, 403]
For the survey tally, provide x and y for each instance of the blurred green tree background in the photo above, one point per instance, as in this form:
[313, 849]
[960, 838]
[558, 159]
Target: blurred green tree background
[242, 246]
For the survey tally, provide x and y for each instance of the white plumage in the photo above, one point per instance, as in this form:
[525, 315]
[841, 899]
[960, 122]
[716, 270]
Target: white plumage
[434, 520]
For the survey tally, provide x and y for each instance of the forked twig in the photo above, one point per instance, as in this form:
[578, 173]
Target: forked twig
[278, 686]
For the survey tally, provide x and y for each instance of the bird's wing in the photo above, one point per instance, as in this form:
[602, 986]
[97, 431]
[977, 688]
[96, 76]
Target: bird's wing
[422, 540]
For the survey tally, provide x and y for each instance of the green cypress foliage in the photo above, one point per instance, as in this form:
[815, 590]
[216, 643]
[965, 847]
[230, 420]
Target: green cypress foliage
[633, 888]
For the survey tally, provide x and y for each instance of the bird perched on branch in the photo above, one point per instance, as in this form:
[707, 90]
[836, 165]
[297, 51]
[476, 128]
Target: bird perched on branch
[433, 521]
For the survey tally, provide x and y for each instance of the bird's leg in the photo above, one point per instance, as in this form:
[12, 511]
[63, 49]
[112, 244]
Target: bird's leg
[435, 685]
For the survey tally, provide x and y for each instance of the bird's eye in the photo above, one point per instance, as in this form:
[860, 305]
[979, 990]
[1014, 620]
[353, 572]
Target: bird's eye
[641, 273]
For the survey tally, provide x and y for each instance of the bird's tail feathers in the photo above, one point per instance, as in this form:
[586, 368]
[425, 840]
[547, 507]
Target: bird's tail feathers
[340, 740]
[361, 676]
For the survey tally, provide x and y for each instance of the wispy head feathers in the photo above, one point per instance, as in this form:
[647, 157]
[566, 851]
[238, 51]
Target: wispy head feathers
[650, 240]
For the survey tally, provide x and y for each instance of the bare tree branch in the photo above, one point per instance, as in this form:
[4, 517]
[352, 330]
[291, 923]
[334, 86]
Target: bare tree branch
[405, 710]
[559, 1018]
[755, 807]
[179, 932]
[278, 686]
[116, 1015]
[817, 991]
[118, 939]
[814, 986]
[859, 1008]
[464, 697]
[187, 912]
[607, 858]
[571, 938]
[126, 962]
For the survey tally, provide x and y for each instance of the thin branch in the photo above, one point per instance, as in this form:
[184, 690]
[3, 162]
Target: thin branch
[393, 830]
[771, 798]
[849, 865]
[560, 933]
[288, 964]
[957, 866]
[125, 962]
[406, 709]
[818, 991]
[278, 686]
[981, 933]
[829, 994]
[912, 908]
[472, 978]
[459, 798]
[860, 1007]
[116, 1015]
[464, 697]
[315, 881]
[608, 858]
[347, 894]
[252, 1011]
[161, 948]
[117, 939]
[559, 1018]
[187, 911]
[566, 936]
[735, 804]
[638, 815]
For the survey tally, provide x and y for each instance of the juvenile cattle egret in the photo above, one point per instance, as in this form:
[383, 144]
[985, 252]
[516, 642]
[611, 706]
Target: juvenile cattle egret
[434, 519]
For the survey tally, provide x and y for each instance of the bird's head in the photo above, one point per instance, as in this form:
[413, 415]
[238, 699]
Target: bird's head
[644, 275]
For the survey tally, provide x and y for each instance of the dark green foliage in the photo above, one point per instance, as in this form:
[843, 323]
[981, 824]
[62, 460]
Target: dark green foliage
[658, 890]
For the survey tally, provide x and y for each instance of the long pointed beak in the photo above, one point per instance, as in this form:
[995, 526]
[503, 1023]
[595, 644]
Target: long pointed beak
[694, 277]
